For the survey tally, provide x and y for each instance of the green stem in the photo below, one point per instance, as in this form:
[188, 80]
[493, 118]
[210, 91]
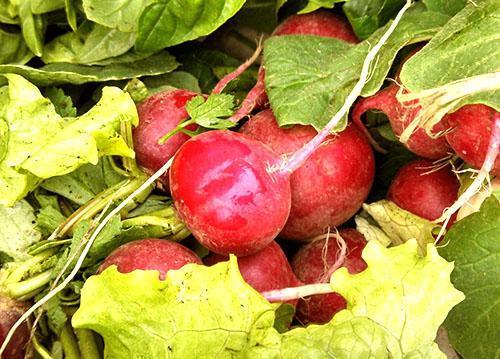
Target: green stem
[115, 193]
[40, 349]
[87, 344]
[18, 274]
[30, 285]
[176, 130]
[69, 343]
[129, 163]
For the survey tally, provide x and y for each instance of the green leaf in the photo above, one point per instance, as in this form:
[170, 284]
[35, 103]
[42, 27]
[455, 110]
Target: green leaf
[44, 6]
[32, 27]
[395, 308]
[177, 79]
[308, 78]
[48, 219]
[212, 112]
[70, 9]
[465, 47]
[472, 244]
[8, 12]
[313, 5]
[400, 225]
[366, 16]
[171, 22]
[17, 231]
[196, 311]
[83, 184]
[116, 14]
[43, 145]
[449, 7]
[63, 104]
[14, 49]
[90, 44]
[62, 73]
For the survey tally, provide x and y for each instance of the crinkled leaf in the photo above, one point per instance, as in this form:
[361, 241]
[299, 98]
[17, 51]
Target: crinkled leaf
[308, 78]
[90, 44]
[196, 311]
[465, 47]
[42, 144]
[116, 14]
[14, 49]
[370, 230]
[408, 295]
[400, 225]
[366, 16]
[212, 112]
[63, 104]
[83, 184]
[61, 73]
[17, 231]
[473, 244]
[171, 22]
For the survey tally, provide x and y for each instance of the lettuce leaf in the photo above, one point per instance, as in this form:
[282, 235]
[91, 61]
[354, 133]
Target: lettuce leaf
[42, 144]
[394, 310]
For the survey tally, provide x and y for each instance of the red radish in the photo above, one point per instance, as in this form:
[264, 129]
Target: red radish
[159, 115]
[227, 195]
[471, 128]
[422, 190]
[10, 311]
[233, 192]
[313, 264]
[265, 270]
[331, 185]
[319, 23]
[400, 116]
[150, 254]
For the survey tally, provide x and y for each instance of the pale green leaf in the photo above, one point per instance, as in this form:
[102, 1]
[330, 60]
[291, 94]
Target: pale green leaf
[17, 231]
[116, 14]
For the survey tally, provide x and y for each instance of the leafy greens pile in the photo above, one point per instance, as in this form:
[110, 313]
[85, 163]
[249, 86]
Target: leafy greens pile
[71, 73]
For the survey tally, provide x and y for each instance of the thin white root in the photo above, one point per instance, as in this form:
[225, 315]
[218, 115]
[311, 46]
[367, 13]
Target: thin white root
[286, 294]
[84, 253]
[437, 102]
[476, 185]
[338, 262]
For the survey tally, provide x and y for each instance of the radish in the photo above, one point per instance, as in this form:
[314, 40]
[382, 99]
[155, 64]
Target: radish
[10, 311]
[150, 254]
[159, 115]
[233, 192]
[318, 23]
[265, 270]
[421, 189]
[400, 116]
[331, 185]
[470, 131]
[316, 261]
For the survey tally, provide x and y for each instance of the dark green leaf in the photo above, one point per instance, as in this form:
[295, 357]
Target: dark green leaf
[366, 16]
[467, 46]
[171, 22]
[308, 78]
[61, 73]
[284, 317]
[177, 79]
[473, 244]
[448, 7]
[63, 104]
[48, 219]
[213, 112]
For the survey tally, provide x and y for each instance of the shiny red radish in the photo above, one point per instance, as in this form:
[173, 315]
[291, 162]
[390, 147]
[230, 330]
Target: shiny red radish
[10, 311]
